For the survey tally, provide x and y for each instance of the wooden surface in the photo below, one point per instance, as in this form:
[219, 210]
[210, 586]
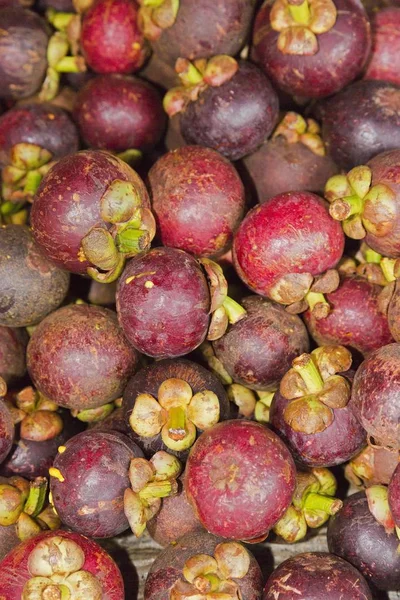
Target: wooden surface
[135, 557]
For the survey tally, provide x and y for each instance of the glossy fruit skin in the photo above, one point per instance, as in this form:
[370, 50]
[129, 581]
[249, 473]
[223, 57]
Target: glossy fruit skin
[278, 167]
[384, 64]
[355, 535]
[95, 468]
[394, 495]
[13, 344]
[234, 118]
[169, 318]
[292, 233]
[79, 357]
[394, 313]
[337, 444]
[240, 479]
[118, 112]
[321, 74]
[6, 431]
[205, 28]
[316, 576]
[23, 60]
[167, 568]
[355, 319]
[361, 121]
[149, 379]
[80, 179]
[38, 124]
[31, 459]
[198, 200]
[32, 286]
[259, 349]
[111, 40]
[14, 568]
[375, 398]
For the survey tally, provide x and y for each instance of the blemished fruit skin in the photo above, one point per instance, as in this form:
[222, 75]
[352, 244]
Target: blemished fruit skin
[240, 478]
[13, 344]
[384, 62]
[341, 56]
[394, 496]
[292, 233]
[393, 313]
[259, 349]
[316, 576]
[119, 112]
[375, 398]
[79, 357]
[6, 431]
[167, 568]
[163, 303]
[14, 571]
[355, 535]
[94, 466]
[198, 200]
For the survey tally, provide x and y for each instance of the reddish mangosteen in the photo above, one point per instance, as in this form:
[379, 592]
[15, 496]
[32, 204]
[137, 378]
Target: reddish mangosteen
[111, 41]
[6, 424]
[298, 44]
[240, 479]
[79, 358]
[41, 427]
[13, 344]
[355, 318]
[282, 248]
[222, 104]
[167, 403]
[196, 28]
[258, 350]
[361, 121]
[356, 535]
[32, 286]
[295, 159]
[29, 141]
[120, 113]
[88, 480]
[316, 575]
[198, 200]
[164, 302]
[90, 212]
[394, 496]
[199, 565]
[375, 398]
[311, 409]
[61, 562]
[373, 466]
[384, 64]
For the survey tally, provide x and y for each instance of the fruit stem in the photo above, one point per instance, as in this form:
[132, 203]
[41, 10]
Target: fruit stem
[176, 423]
[69, 64]
[327, 504]
[313, 298]
[305, 367]
[300, 13]
[157, 489]
[233, 309]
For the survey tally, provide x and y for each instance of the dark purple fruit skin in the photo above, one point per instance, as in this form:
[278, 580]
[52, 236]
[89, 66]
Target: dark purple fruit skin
[149, 379]
[394, 496]
[206, 28]
[355, 319]
[394, 313]
[67, 203]
[13, 344]
[337, 444]
[278, 167]
[259, 349]
[8, 535]
[355, 535]
[95, 468]
[114, 422]
[116, 112]
[23, 47]
[33, 459]
[175, 519]
[169, 318]
[375, 397]
[361, 121]
[31, 285]
[167, 568]
[6, 431]
[38, 124]
[79, 357]
[341, 56]
[384, 64]
[316, 576]
[198, 200]
[234, 118]
[60, 5]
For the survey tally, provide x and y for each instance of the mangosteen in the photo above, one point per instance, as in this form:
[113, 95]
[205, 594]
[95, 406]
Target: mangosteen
[6, 424]
[373, 466]
[394, 496]
[384, 64]
[13, 344]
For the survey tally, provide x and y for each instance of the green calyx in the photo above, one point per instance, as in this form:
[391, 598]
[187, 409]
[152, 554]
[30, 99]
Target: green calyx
[375, 267]
[36, 415]
[157, 15]
[361, 207]
[94, 415]
[297, 130]
[251, 404]
[131, 231]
